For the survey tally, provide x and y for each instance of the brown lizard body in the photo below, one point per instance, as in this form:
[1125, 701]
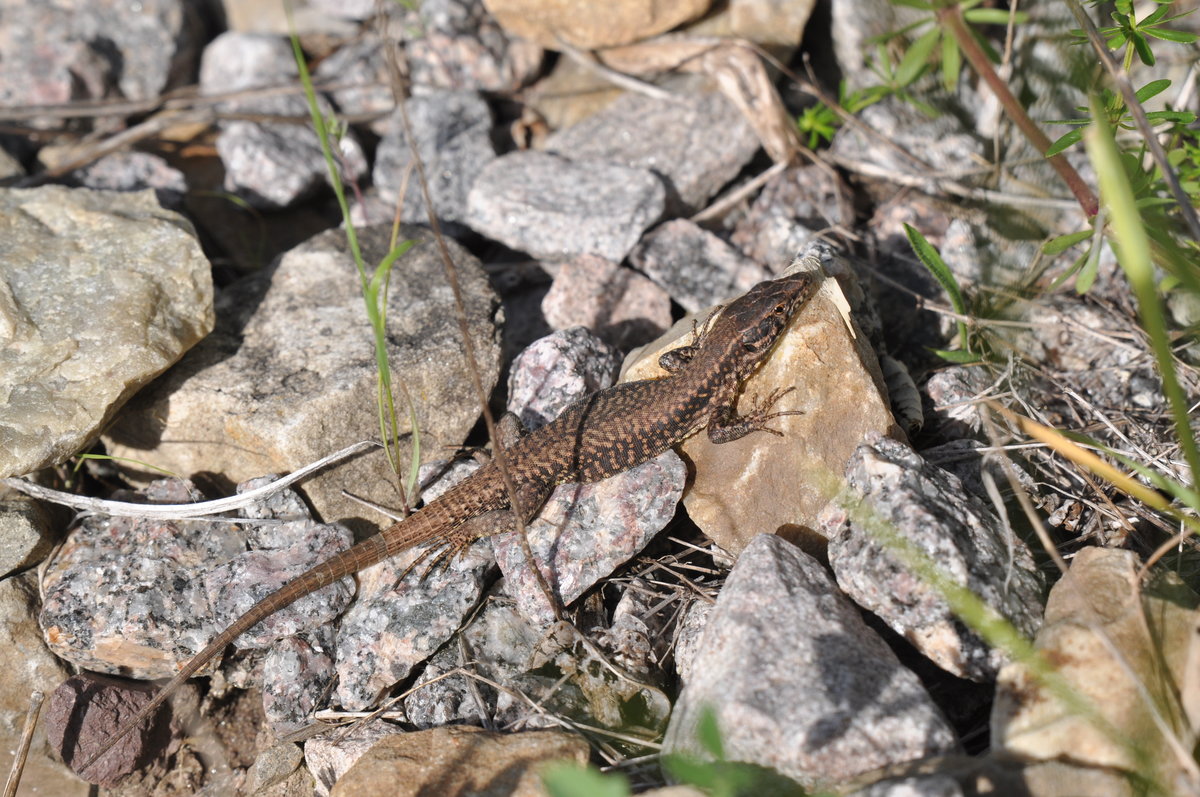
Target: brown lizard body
[602, 435]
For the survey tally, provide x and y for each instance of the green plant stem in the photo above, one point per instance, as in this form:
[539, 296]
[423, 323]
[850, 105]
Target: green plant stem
[1120, 79]
[950, 17]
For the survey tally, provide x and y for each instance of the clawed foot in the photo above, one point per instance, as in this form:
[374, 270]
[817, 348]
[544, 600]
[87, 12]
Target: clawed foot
[758, 417]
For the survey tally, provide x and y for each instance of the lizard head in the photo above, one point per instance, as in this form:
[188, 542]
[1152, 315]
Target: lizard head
[766, 309]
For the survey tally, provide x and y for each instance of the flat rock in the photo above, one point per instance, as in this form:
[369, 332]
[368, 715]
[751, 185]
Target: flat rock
[139, 597]
[26, 534]
[556, 370]
[586, 531]
[53, 53]
[270, 164]
[763, 483]
[929, 508]
[555, 208]
[456, 44]
[328, 757]
[620, 305]
[134, 171]
[1096, 612]
[587, 26]
[296, 674]
[459, 760]
[290, 374]
[696, 142]
[453, 132]
[798, 682]
[696, 268]
[793, 208]
[99, 293]
[401, 617]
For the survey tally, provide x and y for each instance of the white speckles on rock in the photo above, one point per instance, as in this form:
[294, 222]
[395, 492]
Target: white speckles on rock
[139, 597]
[554, 208]
[929, 508]
[797, 680]
[695, 267]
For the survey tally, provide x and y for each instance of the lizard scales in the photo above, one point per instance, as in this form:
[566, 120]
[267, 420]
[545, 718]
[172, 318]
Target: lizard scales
[606, 433]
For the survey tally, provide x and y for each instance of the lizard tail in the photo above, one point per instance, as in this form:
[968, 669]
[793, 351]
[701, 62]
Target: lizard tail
[404, 534]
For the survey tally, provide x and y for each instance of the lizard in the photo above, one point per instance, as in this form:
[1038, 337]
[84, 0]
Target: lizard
[608, 432]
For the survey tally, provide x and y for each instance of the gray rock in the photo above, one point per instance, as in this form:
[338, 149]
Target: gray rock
[328, 757]
[557, 370]
[621, 306]
[798, 682]
[296, 673]
[554, 208]
[53, 53]
[22, 640]
[26, 534]
[499, 642]
[688, 636]
[290, 375]
[134, 171]
[456, 44]
[99, 293]
[695, 267]
[930, 509]
[793, 208]
[695, 142]
[453, 132]
[401, 618]
[586, 531]
[10, 166]
[139, 597]
[271, 164]
[360, 68]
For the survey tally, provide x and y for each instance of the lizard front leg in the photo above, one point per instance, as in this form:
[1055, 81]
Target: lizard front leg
[725, 425]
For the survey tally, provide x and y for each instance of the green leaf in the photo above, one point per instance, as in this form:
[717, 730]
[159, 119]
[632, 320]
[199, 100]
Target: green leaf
[1151, 89]
[1087, 275]
[917, 57]
[708, 733]
[1181, 117]
[930, 258]
[951, 63]
[566, 779]
[991, 16]
[1070, 139]
[920, 5]
[1178, 36]
[958, 356]
[1056, 246]
[1142, 48]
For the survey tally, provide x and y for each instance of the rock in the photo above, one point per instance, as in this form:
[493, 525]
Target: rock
[359, 67]
[621, 306]
[766, 483]
[26, 534]
[273, 766]
[695, 267]
[688, 635]
[453, 132]
[270, 164]
[1096, 612]
[695, 142]
[456, 44]
[797, 682]
[500, 642]
[53, 53]
[586, 531]
[296, 673]
[85, 711]
[99, 293]
[290, 374]
[959, 776]
[793, 208]
[557, 370]
[134, 171]
[929, 509]
[329, 757]
[554, 208]
[585, 26]
[459, 760]
[10, 167]
[140, 597]
[775, 27]
[401, 618]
